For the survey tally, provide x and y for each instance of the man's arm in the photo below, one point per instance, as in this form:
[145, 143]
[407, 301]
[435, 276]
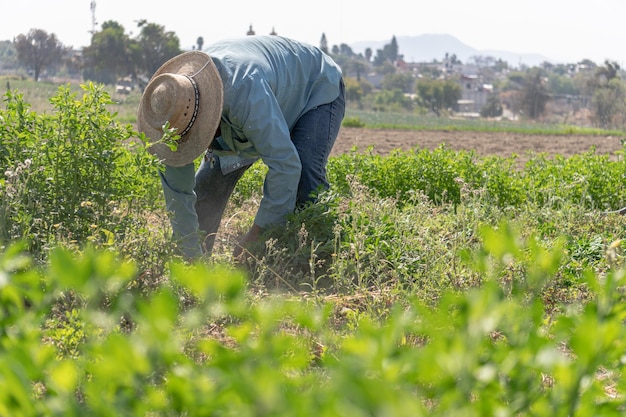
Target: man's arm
[180, 201]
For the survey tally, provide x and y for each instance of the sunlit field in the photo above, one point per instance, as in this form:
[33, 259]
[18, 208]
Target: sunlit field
[424, 283]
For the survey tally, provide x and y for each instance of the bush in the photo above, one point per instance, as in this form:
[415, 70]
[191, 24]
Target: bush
[352, 122]
[72, 176]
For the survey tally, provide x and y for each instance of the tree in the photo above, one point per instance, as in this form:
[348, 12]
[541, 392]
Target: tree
[352, 66]
[500, 66]
[492, 108]
[324, 44]
[38, 50]
[562, 85]
[514, 81]
[609, 95]
[8, 56]
[438, 95]
[450, 61]
[609, 71]
[534, 94]
[389, 53]
[153, 47]
[402, 81]
[608, 105]
[354, 90]
[391, 50]
[368, 54]
[108, 56]
[393, 100]
[344, 49]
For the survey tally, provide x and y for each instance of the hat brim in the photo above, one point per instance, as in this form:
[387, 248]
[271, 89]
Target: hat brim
[211, 95]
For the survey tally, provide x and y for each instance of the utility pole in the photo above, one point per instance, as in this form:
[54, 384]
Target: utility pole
[93, 17]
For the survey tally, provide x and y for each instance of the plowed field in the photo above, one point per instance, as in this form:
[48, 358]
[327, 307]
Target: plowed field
[483, 143]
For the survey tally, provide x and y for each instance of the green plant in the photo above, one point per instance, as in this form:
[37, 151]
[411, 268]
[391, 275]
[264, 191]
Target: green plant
[352, 122]
[423, 283]
[74, 175]
[488, 350]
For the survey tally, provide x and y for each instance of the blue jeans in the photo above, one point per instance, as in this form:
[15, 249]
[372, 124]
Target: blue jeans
[313, 135]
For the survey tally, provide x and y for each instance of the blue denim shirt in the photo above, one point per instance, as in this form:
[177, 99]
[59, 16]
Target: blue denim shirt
[269, 82]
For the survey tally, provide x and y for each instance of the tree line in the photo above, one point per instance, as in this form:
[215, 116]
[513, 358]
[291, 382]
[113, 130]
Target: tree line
[548, 92]
[426, 87]
[111, 54]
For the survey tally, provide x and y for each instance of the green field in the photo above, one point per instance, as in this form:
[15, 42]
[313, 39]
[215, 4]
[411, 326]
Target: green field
[38, 96]
[425, 283]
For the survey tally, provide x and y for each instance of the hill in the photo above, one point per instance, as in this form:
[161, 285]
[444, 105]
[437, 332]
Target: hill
[429, 47]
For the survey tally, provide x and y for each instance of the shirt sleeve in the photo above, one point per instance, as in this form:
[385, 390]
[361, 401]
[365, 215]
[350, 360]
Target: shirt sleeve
[263, 124]
[180, 200]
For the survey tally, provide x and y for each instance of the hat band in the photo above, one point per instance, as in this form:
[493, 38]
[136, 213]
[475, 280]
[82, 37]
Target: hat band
[195, 106]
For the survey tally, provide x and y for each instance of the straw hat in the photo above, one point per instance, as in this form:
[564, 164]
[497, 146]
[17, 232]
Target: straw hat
[187, 92]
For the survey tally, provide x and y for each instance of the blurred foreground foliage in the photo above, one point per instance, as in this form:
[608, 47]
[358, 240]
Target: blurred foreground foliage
[77, 341]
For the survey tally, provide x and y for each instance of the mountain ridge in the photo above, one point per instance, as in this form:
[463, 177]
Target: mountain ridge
[434, 46]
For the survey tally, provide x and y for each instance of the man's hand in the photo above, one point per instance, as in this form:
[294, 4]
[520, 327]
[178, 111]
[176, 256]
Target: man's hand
[251, 236]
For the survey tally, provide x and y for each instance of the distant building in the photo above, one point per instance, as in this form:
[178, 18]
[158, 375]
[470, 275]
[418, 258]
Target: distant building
[474, 94]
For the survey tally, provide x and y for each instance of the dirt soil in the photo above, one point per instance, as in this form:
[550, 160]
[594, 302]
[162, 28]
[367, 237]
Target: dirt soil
[483, 143]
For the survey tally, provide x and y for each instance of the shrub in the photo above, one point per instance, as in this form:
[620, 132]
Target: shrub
[74, 175]
[352, 122]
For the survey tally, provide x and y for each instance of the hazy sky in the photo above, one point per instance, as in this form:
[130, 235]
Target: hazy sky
[562, 30]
